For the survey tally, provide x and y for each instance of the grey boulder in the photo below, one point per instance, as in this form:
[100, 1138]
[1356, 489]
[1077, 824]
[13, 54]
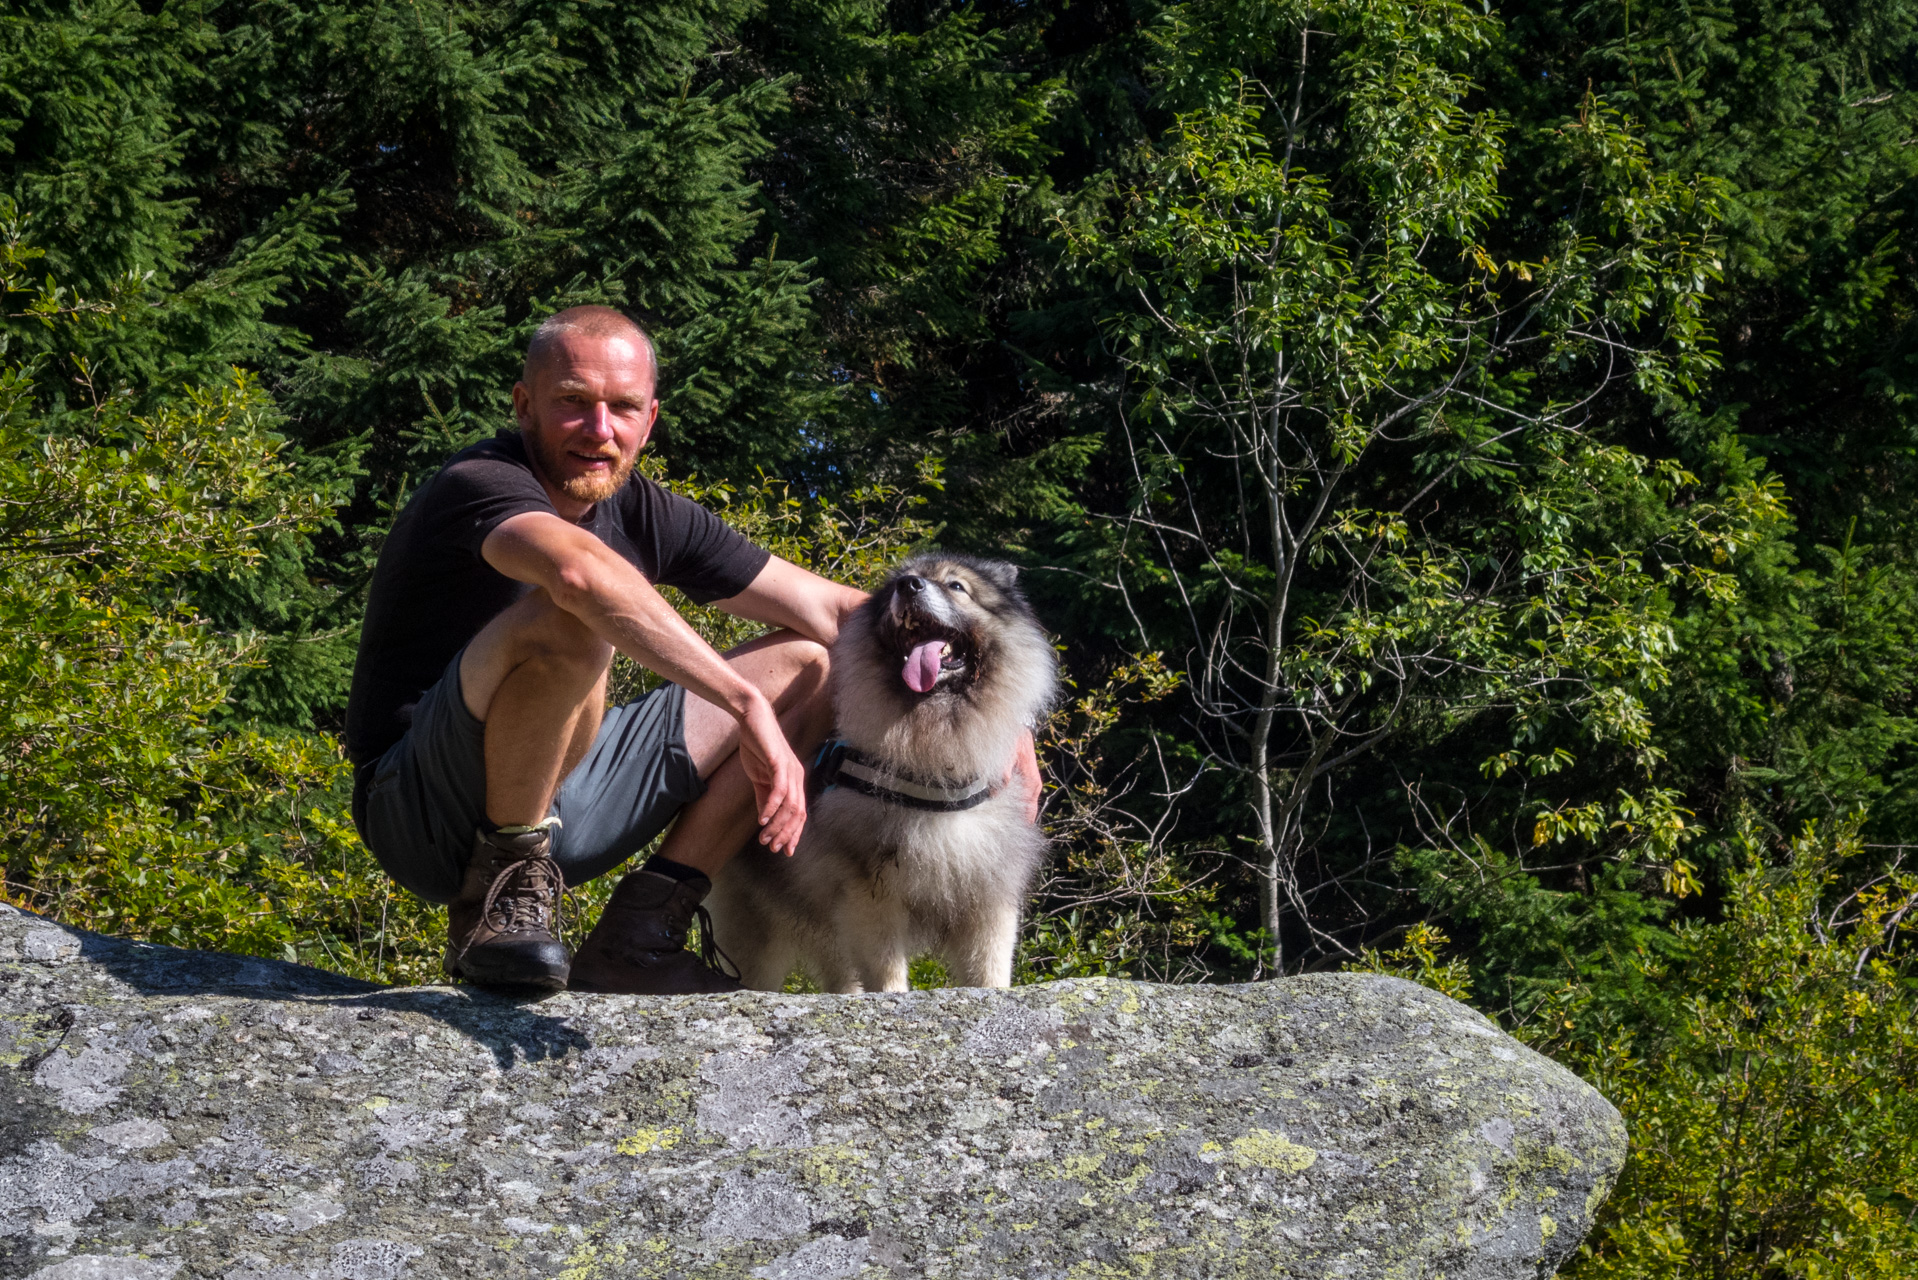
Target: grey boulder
[169, 1114]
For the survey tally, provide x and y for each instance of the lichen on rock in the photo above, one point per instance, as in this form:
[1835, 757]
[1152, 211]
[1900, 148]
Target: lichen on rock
[173, 1114]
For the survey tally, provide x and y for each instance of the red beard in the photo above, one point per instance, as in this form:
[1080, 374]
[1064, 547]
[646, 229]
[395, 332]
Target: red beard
[591, 487]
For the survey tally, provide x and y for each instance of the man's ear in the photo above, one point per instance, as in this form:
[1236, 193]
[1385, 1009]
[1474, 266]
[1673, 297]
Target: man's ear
[652, 420]
[522, 404]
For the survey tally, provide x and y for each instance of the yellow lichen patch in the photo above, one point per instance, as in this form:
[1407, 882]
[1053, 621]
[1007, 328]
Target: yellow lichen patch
[1273, 1151]
[1092, 1270]
[644, 1140]
[1130, 1183]
[1080, 1165]
[591, 1262]
[1596, 1197]
[377, 1103]
[580, 1265]
[829, 1166]
[1546, 1227]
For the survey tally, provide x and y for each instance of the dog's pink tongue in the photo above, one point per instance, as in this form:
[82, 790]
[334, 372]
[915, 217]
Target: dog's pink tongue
[922, 666]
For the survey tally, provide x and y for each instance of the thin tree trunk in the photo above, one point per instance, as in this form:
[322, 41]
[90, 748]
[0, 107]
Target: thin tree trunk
[1268, 843]
[1283, 556]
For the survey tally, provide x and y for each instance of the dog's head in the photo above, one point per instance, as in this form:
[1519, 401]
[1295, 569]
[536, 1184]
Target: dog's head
[942, 667]
[945, 618]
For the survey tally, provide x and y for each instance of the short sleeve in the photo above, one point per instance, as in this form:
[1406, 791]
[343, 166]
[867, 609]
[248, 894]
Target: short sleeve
[696, 551]
[477, 494]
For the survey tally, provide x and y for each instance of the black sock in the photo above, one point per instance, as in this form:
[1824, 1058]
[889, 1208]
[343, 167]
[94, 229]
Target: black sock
[677, 870]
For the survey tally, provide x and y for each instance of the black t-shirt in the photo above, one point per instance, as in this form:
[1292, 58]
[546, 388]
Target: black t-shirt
[432, 591]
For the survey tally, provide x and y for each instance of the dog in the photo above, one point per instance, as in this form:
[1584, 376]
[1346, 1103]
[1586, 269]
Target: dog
[913, 842]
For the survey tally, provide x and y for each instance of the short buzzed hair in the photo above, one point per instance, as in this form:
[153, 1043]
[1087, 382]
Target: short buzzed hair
[590, 321]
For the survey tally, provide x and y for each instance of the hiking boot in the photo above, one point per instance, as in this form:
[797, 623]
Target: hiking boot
[638, 948]
[502, 930]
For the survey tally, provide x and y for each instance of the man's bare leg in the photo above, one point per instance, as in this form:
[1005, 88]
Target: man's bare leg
[791, 672]
[536, 677]
[638, 945]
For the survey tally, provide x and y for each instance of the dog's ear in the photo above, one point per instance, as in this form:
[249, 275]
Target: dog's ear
[1001, 574]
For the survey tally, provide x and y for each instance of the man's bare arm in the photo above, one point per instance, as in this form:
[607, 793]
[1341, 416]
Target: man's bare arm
[785, 595]
[595, 584]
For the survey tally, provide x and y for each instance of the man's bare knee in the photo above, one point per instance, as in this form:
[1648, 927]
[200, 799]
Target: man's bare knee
[558, 640]
[809, 663]
[534, 638]
[814, 659]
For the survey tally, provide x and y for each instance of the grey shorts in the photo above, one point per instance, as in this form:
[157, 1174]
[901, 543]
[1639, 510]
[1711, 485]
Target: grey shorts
[422, 801]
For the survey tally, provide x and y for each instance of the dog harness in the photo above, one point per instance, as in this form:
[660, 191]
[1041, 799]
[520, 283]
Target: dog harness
[839, 764]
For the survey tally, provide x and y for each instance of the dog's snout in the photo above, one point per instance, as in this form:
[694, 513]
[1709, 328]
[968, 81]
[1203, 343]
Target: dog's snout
[912, 584]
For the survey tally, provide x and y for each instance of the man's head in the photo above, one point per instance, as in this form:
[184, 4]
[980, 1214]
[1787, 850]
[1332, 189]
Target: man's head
[585, 401]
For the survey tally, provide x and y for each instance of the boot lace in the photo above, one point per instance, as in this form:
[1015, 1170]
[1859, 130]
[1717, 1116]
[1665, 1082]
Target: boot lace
[525, 895]
[709, 953]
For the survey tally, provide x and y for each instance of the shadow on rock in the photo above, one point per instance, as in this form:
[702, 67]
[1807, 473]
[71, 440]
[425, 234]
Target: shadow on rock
[506, 1026]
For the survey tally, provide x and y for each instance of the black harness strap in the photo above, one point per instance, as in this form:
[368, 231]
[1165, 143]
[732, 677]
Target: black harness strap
[840, 765]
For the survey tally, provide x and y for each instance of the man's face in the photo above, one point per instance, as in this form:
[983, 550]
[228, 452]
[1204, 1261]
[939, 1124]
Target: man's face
[586, 415]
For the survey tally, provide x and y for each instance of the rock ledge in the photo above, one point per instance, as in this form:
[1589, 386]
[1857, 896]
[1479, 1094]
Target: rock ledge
[173, 1114]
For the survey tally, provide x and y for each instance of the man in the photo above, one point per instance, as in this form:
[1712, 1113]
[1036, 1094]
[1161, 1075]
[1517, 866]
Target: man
[489, 772]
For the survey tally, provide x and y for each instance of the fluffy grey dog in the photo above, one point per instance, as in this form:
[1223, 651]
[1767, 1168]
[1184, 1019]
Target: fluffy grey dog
[914, 845]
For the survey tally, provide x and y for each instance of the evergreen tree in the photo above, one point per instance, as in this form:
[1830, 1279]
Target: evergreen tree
[372, 204]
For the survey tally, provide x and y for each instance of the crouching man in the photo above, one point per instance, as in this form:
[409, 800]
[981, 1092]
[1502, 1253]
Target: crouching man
[489, 771]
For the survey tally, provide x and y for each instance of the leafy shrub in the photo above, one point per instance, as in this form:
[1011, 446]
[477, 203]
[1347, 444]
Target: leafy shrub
[120, 805]
[1766, 1067]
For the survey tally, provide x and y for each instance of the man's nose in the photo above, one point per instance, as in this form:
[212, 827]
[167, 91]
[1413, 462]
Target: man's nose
[599, 420]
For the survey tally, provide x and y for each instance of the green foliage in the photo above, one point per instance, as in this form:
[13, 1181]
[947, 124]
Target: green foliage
[1365, 468]
[109, 672]
[1802, 111]
[1417, 959]
[1766, 1068]
[1119, 900]
[264, 862]
[1788, 703]
[369, 205]
[124, 809]
[1764, 1065]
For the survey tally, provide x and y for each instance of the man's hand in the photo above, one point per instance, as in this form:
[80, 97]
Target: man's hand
[779, 780]
[1023, 771]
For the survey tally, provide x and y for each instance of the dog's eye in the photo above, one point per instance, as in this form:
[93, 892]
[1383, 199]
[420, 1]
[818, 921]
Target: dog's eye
[957, 585]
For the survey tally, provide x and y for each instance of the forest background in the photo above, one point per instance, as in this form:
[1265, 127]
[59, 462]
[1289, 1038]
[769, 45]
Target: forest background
[1469, 457]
